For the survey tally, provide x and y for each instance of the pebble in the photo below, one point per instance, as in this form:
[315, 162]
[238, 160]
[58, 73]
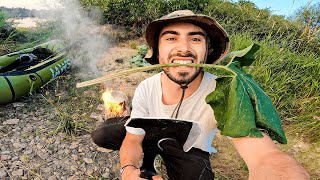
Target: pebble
[74, 145]
[88, 160]
[5, 157]
[18, 172]
[106, 175]
[5, 152]
[11, 122]
[52, 178]
[3, 174]
[75, 157]
[89, 171]
[42, 155]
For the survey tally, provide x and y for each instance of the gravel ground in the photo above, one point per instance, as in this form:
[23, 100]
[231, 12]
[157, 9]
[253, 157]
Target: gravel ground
[29, 151]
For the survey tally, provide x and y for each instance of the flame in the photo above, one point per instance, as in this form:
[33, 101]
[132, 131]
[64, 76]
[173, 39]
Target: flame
[113, 107]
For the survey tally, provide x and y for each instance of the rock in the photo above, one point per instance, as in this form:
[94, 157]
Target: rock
[18, 172]
[5, 152]
[16, 145]
[88, 160]
[104, 150]
[5, 157]
[106, 175]
[17, 104]
[3, 174]
[119, 60]
[89, 171]
[72, 178]
[96, 116]
[52, 178]
[11, 122]
[47, 170]
[75, 157]
[16, 163]
[42, 155]
[74, 145]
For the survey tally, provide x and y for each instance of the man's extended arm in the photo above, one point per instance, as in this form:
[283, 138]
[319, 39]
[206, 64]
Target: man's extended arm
[266, 161]
[130, 154]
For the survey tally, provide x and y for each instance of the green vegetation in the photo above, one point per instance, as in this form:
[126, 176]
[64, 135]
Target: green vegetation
[287, 65]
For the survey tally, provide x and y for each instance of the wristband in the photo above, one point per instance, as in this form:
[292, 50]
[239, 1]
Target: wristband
[121, 170]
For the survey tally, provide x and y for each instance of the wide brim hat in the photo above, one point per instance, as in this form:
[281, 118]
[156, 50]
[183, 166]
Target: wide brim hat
[219, 39]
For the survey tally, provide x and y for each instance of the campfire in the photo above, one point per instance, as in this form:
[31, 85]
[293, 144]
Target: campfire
[115, 104]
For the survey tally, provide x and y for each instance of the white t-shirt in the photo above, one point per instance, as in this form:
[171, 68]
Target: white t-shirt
[147, 102]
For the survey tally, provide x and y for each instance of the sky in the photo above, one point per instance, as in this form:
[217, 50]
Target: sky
[29, 4]
[280, 7]
[283, 7]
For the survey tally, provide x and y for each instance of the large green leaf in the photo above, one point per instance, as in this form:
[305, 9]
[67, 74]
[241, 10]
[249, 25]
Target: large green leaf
[240, 105]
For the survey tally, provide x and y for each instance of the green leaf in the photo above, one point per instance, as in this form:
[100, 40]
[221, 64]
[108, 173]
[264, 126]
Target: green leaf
[243, 57]
[240, 105]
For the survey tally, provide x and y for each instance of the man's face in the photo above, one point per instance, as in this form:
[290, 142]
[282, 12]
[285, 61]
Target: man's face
[182, 43]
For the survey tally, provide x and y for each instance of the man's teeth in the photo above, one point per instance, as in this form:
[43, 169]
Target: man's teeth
[182, 62]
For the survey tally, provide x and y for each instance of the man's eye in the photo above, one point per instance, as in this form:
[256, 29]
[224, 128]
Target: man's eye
[196, 39]
[171, 39]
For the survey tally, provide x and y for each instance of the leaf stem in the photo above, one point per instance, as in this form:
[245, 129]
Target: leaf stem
[146, 68]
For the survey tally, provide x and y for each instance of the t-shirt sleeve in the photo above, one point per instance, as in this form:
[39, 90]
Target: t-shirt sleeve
[139, 102]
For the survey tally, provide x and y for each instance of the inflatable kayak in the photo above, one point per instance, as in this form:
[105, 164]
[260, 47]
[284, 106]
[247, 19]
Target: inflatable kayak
[28, 70]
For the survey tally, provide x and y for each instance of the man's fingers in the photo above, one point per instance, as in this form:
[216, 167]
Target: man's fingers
[157, 178]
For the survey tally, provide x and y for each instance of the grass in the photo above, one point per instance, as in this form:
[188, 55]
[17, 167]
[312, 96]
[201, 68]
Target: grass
[291, 78]
[72, 107]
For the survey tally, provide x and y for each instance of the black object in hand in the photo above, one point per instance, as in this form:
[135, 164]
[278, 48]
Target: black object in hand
[147, 174]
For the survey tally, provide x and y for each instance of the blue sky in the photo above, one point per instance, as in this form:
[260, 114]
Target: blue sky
[283, 7]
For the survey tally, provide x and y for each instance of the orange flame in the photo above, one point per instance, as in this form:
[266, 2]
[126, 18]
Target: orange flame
[113, 107]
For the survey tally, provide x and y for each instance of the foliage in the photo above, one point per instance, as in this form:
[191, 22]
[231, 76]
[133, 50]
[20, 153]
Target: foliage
[242, 16]
[139, 60]
[241, 107]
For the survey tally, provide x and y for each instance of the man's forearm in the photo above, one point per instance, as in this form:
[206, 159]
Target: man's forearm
[130, 153]
[278, 165]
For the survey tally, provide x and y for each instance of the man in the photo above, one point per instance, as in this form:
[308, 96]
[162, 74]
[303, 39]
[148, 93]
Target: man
[179, 92]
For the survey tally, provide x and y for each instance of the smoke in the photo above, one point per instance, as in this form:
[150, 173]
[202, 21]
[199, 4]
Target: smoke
[82, 33]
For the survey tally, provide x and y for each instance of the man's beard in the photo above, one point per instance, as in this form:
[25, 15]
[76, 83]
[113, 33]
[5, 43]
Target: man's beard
[183, 76]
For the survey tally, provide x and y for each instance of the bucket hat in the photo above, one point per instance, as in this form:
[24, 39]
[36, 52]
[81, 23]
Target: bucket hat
[218, 36]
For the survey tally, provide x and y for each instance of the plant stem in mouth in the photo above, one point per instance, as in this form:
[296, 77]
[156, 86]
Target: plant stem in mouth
[146, 68]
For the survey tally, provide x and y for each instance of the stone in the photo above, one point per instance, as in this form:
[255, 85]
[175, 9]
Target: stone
[104, 150]
[106, 175]
[89, 171]
[5, 157]
[16, 163]
[75, 157]
[3, 174]
[42, 155]
[74, 145]
[16, 145]
[18, 172]
[11, 122]
[17, 104]
[119, 60]
[5, 152]
[72, 178]
[52, 178]
[88, 160]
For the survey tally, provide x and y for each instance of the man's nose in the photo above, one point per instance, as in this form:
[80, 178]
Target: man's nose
[183, 46]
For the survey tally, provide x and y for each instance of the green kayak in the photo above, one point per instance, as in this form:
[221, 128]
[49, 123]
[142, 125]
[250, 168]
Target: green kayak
[28, 70]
